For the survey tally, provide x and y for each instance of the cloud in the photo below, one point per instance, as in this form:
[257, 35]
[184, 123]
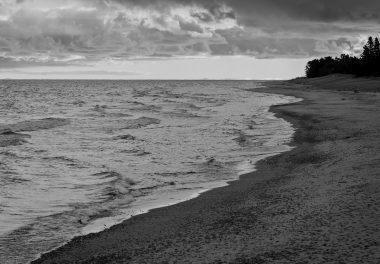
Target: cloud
[100, 29]
[310, 10]
[78, 31]
[313, 10]
[190, 27]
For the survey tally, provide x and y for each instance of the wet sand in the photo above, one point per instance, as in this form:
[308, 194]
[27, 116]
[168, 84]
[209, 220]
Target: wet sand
[318, 203]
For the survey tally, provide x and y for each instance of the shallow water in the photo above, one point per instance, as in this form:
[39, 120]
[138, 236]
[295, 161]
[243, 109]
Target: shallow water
[98, 152]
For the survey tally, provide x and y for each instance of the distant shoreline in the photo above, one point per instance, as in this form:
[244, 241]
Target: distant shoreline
[316, 202]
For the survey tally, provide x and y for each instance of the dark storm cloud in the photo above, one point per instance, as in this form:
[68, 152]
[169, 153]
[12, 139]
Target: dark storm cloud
[306, 10]
[314, 10]
[277, 28]
[54, 31]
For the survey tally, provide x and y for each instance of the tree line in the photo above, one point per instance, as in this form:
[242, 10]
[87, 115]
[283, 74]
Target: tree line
[368, 64]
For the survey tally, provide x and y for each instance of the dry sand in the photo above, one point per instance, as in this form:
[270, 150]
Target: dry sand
[318, 203]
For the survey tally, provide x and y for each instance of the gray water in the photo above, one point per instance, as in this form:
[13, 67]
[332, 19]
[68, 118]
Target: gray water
[98, 152]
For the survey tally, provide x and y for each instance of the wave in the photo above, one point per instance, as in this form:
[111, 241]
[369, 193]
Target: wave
[137, 152]
[79, 103]
[139, 122]
[13, 155]
[174, 174]
[34, 125]
[181, 113]
[13, 140]
[117, 183]
[178, 104]
[10, 177]
[124, 137]
[69, 162]
[242, 139]
[138, 106]
[103, 111]
[10, 137]
[61, 158]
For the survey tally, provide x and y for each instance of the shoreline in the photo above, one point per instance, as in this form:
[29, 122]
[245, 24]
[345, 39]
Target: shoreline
[264, 215]
[59, 230]
[144, 207]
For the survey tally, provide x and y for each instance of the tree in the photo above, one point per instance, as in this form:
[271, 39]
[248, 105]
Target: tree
[366, 54]
[376, 63]
[369, 57]
[377, 48]
[368, 64]
[371, 46]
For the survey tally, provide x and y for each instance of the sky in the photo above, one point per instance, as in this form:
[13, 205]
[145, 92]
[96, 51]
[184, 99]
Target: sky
[178, 39]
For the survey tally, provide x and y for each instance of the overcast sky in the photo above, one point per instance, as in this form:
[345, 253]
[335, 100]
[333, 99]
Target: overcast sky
[176, 39]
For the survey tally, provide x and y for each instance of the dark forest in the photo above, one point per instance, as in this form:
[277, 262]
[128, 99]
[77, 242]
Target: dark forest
[368, 64]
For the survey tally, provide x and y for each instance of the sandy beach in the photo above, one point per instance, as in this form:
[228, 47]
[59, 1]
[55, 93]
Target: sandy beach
[318, 203]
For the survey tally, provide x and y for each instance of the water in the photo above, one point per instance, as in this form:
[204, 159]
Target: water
[98, 152]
